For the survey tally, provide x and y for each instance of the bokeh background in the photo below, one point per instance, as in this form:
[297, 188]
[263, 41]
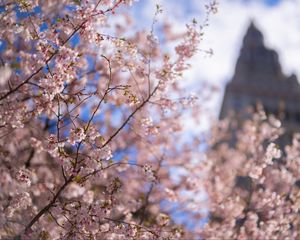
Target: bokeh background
[277, 19]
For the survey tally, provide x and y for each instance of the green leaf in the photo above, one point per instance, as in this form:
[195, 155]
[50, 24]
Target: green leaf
[77, 2]
[77, 178]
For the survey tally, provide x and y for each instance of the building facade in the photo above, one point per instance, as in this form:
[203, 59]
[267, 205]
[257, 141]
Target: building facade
[258, 79]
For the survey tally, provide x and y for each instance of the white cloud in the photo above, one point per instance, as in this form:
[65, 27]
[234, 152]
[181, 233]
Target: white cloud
[280, 25]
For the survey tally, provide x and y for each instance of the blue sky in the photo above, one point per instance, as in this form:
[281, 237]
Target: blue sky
[271, 2]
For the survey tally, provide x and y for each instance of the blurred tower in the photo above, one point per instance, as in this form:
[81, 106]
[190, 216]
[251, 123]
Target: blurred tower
[258, 79]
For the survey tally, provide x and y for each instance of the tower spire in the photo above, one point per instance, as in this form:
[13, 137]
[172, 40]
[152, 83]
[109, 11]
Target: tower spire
[253, 37]
[257, 63]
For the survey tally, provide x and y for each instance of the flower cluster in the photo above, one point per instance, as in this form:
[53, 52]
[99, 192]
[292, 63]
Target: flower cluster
[149, 172]
[252, 186]
[90, 135]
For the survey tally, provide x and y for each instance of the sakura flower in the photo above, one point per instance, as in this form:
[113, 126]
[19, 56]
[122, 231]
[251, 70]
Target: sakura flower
[5, 73]
[104, 227]
[19, 202]
[163, 219]
[272, 152]
[76, 135]
[149, 172]
[23, 176]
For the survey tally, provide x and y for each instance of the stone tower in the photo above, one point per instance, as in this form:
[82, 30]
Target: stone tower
[258, 78]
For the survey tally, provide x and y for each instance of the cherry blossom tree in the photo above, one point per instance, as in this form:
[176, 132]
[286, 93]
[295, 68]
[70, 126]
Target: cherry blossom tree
[90, 123]
[252, 183]
[91, 140]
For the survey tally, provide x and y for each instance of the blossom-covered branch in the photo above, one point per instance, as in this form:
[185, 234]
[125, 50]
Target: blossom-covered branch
[89, 133]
